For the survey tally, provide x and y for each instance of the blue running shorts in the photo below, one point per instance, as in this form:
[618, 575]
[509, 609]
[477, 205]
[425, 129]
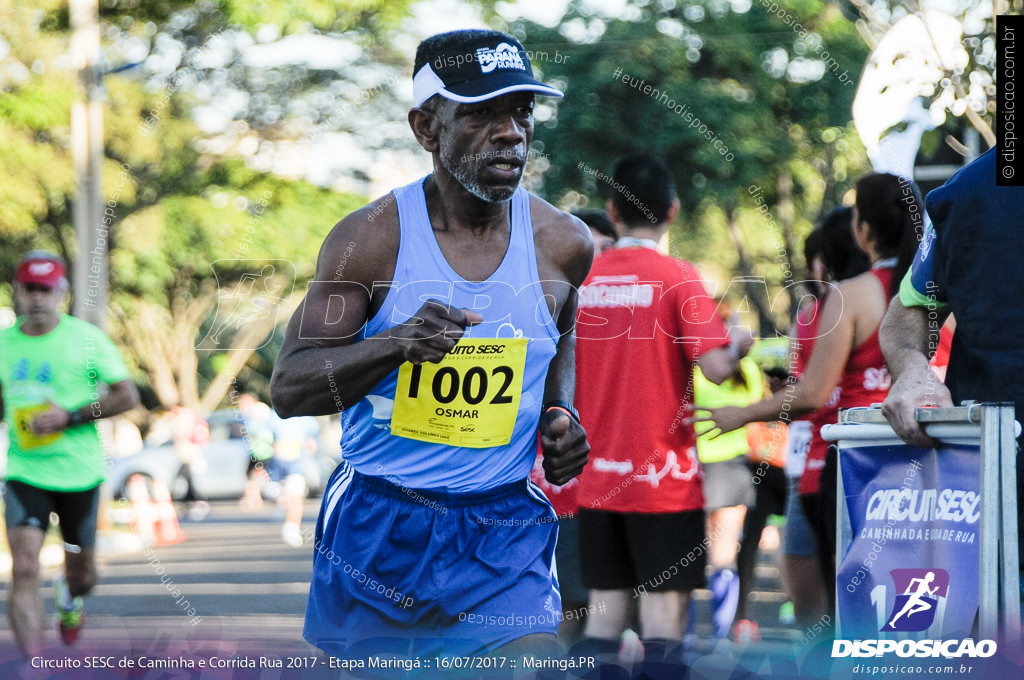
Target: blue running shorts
[422, 572]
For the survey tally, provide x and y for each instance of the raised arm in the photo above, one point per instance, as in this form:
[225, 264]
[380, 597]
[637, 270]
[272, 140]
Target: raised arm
[322, 369]
[824, 369]
[563, 440]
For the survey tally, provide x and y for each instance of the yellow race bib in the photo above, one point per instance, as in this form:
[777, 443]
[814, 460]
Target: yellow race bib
[470, 398]
[28, 439]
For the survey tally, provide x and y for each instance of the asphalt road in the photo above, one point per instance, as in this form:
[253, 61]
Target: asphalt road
[232, 584]
[234, 589]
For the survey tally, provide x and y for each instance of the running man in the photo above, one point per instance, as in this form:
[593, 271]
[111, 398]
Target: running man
[914, 603]
[645, 321]
[460, 296]
[58, 375]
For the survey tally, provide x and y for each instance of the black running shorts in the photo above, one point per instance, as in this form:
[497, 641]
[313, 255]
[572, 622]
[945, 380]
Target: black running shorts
[30, 506]
[655, 551]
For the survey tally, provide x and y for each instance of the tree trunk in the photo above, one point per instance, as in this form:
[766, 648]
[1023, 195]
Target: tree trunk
[244, 344]
[754, 293]
[787, 215]
[144, 336]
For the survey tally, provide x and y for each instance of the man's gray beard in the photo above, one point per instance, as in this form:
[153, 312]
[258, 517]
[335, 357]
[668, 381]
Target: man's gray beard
[470, 184]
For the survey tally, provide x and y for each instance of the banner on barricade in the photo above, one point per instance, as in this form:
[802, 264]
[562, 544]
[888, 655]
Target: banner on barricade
[911, 569]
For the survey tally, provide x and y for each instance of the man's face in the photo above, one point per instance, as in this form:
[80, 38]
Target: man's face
[36, 302]
[484, 145]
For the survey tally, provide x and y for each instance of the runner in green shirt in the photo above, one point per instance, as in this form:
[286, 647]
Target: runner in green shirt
[58, 375]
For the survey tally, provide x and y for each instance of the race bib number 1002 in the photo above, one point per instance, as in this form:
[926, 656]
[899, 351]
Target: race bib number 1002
[470, 398]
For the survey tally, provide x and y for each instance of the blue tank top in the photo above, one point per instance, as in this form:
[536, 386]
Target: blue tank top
[512, 304]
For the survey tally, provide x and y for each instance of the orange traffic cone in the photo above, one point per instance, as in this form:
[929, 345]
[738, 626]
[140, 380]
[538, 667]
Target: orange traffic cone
[145, 512]
[167, 528]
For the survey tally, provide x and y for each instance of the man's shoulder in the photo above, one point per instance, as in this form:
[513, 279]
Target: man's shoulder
[562, 237]
[972, 191]
[551, 223]
[373, 220]
[366, 237]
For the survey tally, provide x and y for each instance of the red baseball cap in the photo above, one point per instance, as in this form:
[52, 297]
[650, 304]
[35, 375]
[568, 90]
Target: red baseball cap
[41, 268]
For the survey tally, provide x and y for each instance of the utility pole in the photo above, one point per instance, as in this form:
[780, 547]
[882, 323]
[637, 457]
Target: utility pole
[89, 269]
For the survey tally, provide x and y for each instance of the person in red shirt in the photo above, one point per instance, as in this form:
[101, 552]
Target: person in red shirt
[831, 255]
[846, 354]
[563, 498]
[644, 320]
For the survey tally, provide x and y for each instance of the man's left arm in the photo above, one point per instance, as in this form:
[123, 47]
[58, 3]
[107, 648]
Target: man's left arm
[119, 396]
[563, 439]
[908, 336]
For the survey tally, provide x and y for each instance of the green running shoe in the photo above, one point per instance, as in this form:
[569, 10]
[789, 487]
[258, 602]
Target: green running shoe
[69, 619]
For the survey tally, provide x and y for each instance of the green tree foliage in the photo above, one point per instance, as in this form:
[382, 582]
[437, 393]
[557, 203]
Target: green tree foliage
[36, 176]
[753, 104]
[185, 228]
[234, 258]
[966, 89]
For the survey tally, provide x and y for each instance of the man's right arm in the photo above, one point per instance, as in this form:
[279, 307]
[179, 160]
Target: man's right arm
[718, 364]
[321, 368]
[907, 340]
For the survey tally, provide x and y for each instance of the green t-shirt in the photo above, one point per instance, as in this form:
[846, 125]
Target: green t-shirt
[65, 366]
[729, 393]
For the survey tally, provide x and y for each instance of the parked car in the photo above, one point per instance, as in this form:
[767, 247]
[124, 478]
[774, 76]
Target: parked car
[226, 461]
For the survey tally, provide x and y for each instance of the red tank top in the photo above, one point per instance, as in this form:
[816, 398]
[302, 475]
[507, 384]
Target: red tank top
[865, 381]
[807, 321]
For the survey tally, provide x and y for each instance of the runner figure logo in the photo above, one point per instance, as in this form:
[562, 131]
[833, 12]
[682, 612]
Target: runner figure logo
[918, 592]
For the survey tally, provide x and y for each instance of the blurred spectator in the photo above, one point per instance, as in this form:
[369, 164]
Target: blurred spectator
[189, 434]
[643, 481]
[728, 484]
[293, 438]
[846, 353]
[259, 439]
[601, 228]
[767, 456]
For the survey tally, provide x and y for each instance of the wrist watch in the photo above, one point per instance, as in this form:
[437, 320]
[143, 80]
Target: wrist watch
[77, 417]
[563, 406]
